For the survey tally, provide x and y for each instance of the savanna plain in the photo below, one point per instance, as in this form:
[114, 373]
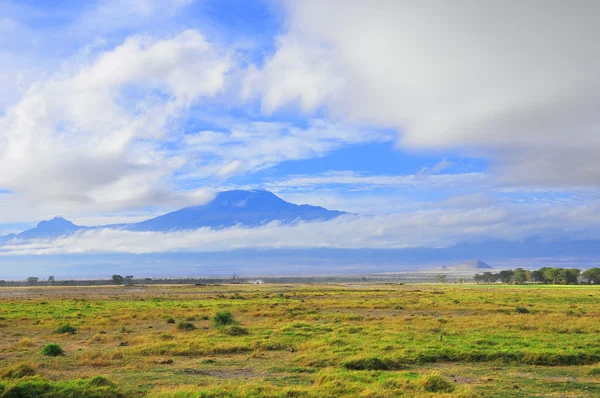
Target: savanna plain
[331, 340]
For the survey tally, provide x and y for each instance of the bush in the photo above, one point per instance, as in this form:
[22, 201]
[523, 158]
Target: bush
[234, 330]
[52, 350]
[18, 372]
[65, 329]
[223, 318]
[170, 320]
[522, 310]
[187, 326]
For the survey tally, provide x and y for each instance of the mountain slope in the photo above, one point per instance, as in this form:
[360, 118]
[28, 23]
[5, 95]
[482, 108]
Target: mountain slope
[248, 208]
[229, 208]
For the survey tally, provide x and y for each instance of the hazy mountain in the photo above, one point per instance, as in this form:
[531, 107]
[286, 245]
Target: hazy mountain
[469, 266]
[58, 226]
[229, 208]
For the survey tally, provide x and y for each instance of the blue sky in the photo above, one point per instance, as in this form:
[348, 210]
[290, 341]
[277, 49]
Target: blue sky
[445, 125]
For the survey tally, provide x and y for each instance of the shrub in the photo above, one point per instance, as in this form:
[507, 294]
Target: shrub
[170, 320]
[65, 329]
[18, 372]
[234, 330]
[187, 326]
[52, 350]
[223, 318]
[522, 310]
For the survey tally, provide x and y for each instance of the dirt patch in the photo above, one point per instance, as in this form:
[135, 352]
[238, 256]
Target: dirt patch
[242, 373]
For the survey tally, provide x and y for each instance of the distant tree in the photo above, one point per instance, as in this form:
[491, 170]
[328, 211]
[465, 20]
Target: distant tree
[571, 276]
[478, 278]
[489, 277]
[506, 275]
[50, 280]
[3, 283]
[117, 279]
[521, 276]
[538, 276]
[129, 280]
[442, 278]
[591, 276]
[33, 280]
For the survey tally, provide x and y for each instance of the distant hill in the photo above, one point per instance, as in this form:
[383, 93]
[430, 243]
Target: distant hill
[229, 208]
[469, 266]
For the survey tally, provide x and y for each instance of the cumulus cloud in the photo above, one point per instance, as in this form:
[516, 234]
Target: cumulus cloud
[517, 83]
[95, 136]
[425, 228]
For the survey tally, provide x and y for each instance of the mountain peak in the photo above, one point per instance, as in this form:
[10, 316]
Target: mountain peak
[57, 221]
[253, 199]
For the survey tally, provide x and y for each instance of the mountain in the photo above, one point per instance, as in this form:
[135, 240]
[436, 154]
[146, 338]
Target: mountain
[229, 208]
[58, 226]
[469, 266]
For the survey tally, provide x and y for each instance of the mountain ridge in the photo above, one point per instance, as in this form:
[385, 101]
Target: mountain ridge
[250, 208]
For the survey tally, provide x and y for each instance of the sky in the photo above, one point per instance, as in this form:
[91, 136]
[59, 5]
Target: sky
[433, 123]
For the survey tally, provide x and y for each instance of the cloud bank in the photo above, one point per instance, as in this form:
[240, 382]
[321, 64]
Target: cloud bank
[518, 83]
[433, 228]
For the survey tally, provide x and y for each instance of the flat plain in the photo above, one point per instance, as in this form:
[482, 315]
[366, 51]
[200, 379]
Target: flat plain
[324, 340]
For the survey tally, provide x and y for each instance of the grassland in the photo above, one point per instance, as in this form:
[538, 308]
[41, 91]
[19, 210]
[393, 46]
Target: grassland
[301, 341]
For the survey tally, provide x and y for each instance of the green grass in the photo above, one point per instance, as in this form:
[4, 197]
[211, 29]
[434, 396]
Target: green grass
[52, 350]
[65, 329]
[303, 340]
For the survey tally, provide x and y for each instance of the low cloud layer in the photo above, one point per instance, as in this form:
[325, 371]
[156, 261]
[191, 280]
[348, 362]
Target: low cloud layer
[425, 228]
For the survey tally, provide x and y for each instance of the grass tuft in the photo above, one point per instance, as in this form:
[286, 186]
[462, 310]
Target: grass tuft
[234, 330]
[18, 372]
[372, 363]
[186, 326]
[52, 350]
[65, 329]
[223, 318]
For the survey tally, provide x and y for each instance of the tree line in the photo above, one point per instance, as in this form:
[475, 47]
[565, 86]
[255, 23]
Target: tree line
[545, 275]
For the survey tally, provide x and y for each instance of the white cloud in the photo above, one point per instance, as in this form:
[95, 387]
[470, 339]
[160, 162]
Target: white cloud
[94, 138]
[258, 145]
[517, 83]
[299, 73]
[357, 180]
